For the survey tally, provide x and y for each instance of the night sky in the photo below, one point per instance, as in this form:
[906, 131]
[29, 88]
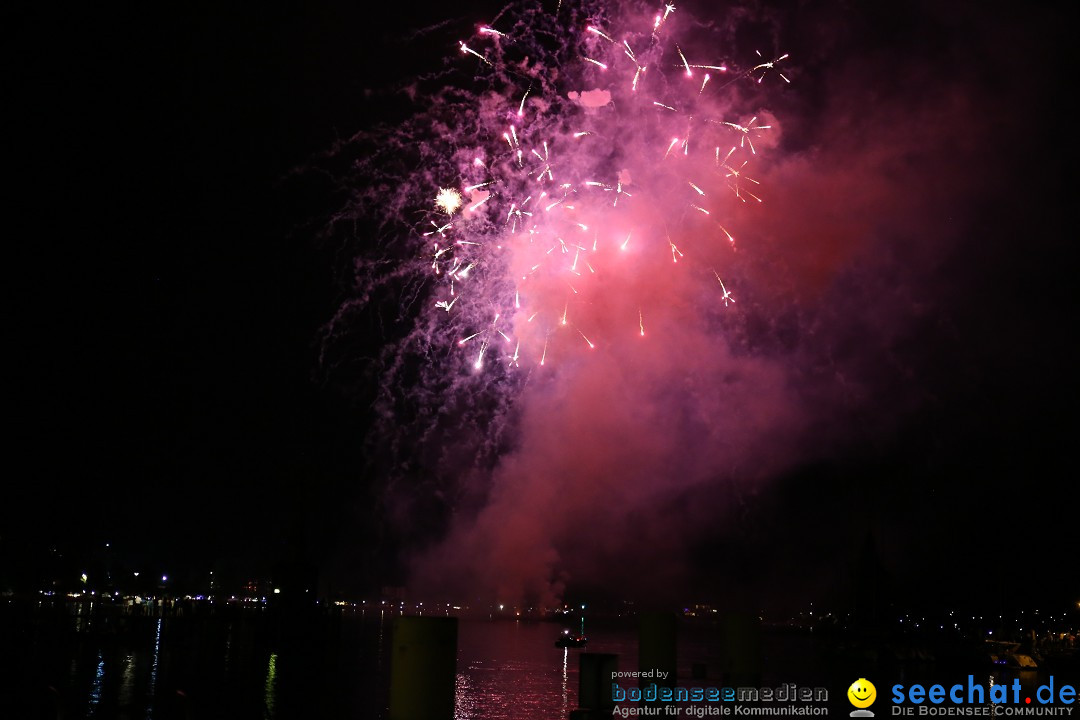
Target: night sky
[913, 291]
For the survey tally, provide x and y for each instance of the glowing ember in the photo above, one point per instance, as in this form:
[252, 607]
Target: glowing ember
[448, 200]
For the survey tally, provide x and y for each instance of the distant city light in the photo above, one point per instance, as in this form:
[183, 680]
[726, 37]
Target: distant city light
[164, 578]
[277, 591]
[83, 576]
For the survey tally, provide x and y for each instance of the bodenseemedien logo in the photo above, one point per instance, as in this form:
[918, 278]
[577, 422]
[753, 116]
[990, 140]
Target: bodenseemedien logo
[862, 694]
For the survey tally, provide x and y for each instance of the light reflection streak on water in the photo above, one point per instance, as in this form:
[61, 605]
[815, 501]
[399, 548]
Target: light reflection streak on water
[153, 671]
[270, 689]
[379, 649]
[565, 682]
[466, 704]
[228, 651]
[95, 688]
[127, 681]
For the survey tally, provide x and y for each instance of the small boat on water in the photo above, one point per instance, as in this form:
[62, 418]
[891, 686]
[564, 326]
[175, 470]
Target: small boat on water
[571, 640]
[1008, 654]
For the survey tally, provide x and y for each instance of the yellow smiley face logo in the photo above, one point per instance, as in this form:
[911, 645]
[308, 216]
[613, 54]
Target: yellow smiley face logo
[862, 693]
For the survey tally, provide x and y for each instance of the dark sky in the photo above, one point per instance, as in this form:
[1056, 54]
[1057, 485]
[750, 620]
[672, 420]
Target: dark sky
[165, 292]
[166, 287]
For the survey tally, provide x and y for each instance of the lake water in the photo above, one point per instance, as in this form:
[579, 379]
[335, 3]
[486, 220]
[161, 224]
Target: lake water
[57, 664]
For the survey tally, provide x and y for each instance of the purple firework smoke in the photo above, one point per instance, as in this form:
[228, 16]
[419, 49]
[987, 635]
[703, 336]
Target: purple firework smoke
[615, 294]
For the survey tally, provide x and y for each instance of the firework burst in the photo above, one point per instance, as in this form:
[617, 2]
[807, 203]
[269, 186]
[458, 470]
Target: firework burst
[568, 191]
[580, 166]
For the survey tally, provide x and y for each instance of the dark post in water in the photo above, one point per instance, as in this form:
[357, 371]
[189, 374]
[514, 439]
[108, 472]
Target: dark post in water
[423, 668]
[741, 650]
[594, 682]
[657, 657]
